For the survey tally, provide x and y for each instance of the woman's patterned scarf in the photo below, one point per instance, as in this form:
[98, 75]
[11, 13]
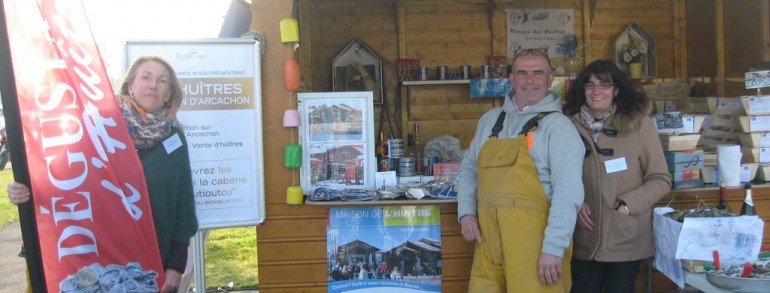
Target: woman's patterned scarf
[146, 129]
[595, 124]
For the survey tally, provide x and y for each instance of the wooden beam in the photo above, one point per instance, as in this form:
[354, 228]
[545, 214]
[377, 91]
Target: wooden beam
[401, 23]
[679, 27]
[720, 32]
[589, 8]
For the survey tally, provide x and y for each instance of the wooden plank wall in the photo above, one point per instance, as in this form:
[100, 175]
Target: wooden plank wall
[292, 241]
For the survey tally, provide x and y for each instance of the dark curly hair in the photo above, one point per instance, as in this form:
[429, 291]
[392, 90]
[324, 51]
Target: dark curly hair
[630, 97]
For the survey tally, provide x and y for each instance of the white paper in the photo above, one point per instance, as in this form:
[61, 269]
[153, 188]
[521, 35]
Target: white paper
[666, 235]
[745, 173]
[386, 178]
[764, 155]
[729, 164]
[764, 140]
[759, 123]
[736, 238]
[759, 104]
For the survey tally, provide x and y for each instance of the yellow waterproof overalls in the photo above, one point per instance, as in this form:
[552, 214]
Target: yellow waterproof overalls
[513, 213]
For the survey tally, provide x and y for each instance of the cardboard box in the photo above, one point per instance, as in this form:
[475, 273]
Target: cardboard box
[684, 160]
[690, 124]
[755, 155]
[763, 172]
[695, 105]
[755, 140]
[686, 175]
[726, 106]
[749, 172]
[709, 173]
[679, 142]
[676, 185]
[756, 105]
[755, 123]
[693, 266]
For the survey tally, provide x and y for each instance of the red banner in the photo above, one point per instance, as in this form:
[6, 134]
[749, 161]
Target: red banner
[90, 197]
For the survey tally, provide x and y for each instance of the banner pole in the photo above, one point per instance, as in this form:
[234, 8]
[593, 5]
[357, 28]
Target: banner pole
[200, 269]
[19, 158]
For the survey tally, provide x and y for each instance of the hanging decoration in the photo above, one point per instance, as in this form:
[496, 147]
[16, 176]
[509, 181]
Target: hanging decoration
[292, 80]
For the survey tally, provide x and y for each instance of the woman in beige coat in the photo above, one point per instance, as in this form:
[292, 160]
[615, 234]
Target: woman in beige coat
[624, 174]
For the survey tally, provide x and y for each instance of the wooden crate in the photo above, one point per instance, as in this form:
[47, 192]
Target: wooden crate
[756, 105]
[755, 139]
[679, 142]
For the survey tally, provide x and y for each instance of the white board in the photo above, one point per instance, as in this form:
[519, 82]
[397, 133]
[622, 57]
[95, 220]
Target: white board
[221, 116]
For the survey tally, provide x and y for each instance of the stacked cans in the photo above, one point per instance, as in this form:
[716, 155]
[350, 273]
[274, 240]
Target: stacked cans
[427, 165]
[406, 167]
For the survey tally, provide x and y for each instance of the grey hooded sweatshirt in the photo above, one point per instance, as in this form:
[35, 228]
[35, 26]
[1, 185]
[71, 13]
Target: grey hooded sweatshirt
[558, 155]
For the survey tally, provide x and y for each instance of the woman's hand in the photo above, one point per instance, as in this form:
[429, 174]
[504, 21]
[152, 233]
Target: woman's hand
[18, 193]
[584, 218]
[173, 279]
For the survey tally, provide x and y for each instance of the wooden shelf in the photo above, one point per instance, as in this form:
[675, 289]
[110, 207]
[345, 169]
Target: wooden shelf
[435, 82]
[385, 202]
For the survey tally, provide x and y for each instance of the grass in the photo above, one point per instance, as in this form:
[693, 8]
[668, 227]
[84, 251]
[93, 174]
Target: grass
[231, 254]
[8, 211]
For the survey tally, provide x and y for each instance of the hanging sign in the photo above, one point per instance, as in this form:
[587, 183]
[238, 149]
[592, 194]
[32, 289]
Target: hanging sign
[86, 178]
[221, 116]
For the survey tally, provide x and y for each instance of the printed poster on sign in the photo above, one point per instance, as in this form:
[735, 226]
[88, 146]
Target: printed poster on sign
[550, 29]
[222, 120]
[384, 249]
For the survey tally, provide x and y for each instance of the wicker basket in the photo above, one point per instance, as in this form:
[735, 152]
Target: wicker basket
[670, 90]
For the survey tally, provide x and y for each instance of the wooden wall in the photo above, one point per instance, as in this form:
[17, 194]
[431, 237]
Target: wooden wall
[292, 240]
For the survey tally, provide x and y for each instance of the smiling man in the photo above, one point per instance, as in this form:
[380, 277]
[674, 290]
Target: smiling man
[519, 186]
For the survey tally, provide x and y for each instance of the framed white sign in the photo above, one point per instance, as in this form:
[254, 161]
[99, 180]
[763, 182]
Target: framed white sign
[337, 136]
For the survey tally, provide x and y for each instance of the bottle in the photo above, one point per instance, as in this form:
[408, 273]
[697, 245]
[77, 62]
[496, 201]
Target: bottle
[748, 203]
[723, 199]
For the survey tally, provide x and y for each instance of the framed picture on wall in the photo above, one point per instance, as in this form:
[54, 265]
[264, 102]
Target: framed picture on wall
[635, 52]
[337, 137]
[358, 68]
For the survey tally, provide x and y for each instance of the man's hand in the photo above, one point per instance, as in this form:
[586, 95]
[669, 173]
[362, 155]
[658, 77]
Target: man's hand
[584, 218]
[549, 269]
[470, 228]
[173, 279]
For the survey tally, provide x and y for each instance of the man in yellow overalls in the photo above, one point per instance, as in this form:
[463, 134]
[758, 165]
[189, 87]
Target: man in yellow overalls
[519, 186]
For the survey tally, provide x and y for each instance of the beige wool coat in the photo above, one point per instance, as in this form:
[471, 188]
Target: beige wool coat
[617, 236]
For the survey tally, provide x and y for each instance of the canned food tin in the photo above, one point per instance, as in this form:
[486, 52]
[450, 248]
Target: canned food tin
[396, 147]
[427, 165]
[465, 72]
[422, 72]
[485, 71]
[406, 167]
[442, 72]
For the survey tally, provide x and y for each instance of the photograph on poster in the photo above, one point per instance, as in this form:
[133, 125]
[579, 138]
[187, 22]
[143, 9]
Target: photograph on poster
[333, 164]
[371, 249]
[335, 120]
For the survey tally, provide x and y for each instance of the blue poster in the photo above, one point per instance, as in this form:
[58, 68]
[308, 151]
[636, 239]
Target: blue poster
[490, 87]
[384, 249]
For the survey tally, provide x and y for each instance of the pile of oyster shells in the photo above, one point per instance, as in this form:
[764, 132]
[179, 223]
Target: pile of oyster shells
[111, 279]
[761, 270]
[700, 212]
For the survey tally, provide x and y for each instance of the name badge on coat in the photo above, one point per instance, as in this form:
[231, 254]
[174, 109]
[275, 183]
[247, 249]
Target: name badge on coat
[615, 165]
